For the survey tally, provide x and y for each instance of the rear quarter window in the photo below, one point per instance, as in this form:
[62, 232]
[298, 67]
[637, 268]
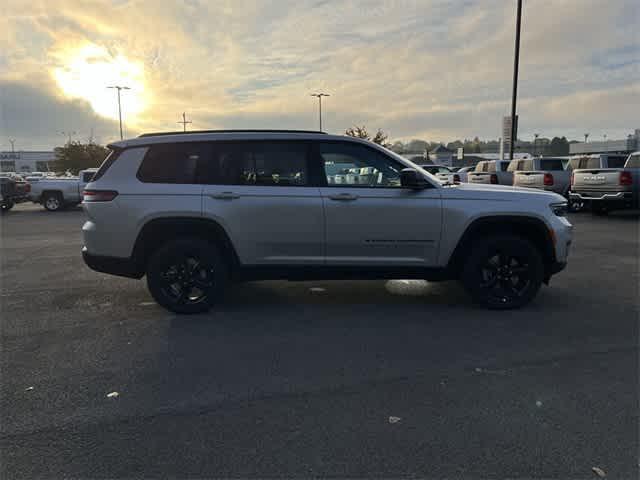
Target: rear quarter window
[491, 167]
[112, 156]
[172, 163]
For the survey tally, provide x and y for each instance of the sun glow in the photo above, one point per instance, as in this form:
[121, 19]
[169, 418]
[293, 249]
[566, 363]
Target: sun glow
[88, 71]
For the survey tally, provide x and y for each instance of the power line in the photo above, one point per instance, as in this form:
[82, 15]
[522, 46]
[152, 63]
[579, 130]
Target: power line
[184, 121]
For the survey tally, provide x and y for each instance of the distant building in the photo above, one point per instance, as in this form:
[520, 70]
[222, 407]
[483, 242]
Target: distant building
[441, 155]
[24, 161]
[630, 144]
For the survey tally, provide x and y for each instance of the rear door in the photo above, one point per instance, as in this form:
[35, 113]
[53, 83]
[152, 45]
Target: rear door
[370, 219]
[261, 194]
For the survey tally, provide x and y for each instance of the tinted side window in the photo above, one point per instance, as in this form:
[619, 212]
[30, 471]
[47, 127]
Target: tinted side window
[356, 165]
[257, 163]
[172, 163]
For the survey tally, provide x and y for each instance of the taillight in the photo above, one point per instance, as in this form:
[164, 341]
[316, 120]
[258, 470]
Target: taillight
[626, 178]
[494, 178]
[456, 178]
[548, 180]
[99, 195]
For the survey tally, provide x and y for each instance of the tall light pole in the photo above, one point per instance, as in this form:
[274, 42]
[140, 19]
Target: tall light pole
[320, 95]
[119, 87]
[535, 143]
[12, 142]
[606, 144]
[69, 135]
[514, 95]
[184, 121]
[586, 135]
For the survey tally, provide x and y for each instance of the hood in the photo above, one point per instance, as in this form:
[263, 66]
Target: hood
[498, 192]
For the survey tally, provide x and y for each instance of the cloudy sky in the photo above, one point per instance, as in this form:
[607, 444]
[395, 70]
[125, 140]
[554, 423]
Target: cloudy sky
[431, 69]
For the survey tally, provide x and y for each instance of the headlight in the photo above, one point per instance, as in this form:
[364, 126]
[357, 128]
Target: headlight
[560, 209]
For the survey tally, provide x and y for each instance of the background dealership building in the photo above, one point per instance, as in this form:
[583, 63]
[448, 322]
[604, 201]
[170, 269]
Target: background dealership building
[26, 161]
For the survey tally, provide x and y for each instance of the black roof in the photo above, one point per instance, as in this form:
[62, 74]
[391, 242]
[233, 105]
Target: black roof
[191, 132]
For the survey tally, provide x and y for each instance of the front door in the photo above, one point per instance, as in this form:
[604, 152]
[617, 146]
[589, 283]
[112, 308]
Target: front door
[370, 219]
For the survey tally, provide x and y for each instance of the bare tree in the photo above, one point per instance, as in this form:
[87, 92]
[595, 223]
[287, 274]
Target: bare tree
[361, 132]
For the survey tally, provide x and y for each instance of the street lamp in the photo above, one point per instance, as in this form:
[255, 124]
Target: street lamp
[69, 135]
[12, 142]
[606, 143]
[535, 143]
[586, 135]
[118, 87]
[514, 94]
[320, 95]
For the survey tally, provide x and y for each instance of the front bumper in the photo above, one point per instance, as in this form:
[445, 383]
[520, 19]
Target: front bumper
[122, 267]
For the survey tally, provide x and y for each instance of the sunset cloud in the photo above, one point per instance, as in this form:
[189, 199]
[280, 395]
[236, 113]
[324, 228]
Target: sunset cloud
[437, 70]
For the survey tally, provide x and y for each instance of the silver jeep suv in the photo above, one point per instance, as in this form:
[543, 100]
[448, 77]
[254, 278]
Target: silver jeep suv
[196, 211]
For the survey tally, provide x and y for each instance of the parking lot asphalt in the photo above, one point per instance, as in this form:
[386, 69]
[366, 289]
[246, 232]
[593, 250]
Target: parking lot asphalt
[341, 379]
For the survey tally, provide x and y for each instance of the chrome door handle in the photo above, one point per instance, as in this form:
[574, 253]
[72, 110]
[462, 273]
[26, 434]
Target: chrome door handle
[224, 196]
[345, 197]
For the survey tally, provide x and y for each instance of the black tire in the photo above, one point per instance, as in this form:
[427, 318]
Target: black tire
[503, 272]
[187, 275]
[52, 202]
[5, 207]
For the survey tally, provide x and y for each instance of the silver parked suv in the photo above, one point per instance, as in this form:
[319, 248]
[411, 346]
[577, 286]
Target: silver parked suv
[195, 211]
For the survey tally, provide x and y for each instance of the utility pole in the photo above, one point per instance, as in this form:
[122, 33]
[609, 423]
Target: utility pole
[119, 87]
[184, 121]
[69, 135]
[514, 95]
[320, 95]
[12, 141]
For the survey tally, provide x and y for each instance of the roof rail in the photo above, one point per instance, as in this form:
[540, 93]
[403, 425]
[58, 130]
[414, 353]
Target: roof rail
[192, 132]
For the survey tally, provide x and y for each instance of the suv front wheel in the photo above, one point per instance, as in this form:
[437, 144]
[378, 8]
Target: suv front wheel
[187, 275]
[503, 272]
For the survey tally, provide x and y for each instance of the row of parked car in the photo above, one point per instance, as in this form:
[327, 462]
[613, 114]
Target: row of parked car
[603, 182]
[53, 193]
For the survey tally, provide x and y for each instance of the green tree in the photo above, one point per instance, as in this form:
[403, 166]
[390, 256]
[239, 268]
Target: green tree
[361, 132]
[558, 146]
[76, 156]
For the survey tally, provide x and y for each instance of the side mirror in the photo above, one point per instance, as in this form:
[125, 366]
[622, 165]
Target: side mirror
[409, 178]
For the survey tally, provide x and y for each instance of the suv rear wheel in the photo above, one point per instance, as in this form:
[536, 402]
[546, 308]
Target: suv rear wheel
[503, 272]
[187, 275]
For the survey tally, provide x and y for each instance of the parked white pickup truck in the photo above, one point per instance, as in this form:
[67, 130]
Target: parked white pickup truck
[56, 193]
[543, 173]
[491, 172]
[606, 189]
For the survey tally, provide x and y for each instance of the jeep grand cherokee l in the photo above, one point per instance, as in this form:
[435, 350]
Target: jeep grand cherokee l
[196, 211]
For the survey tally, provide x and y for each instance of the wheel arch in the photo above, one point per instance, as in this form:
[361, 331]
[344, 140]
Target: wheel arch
[531, 228]
[158, 231]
